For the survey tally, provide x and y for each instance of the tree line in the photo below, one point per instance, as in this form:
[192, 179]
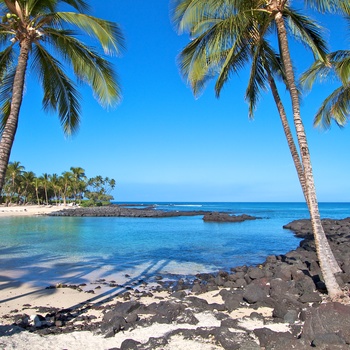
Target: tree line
[73, 186]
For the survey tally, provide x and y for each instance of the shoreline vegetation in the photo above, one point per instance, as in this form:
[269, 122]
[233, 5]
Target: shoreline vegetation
[281, 303]
[71, 187]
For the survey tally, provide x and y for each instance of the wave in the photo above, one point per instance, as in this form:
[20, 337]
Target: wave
[188, 205]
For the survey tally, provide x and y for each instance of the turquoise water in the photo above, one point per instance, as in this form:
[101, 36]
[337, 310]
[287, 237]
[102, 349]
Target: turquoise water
[52, 247]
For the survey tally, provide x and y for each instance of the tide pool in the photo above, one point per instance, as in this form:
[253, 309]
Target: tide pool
[68, 249]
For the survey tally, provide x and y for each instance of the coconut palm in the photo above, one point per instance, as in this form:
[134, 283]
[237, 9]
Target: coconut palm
[66, 185]
[225, 36]
[13, 173]
[45, 183]
[78, 182]
[33, 31]
[27, 181]
[37, 184]
[337, 105]
[55, 185]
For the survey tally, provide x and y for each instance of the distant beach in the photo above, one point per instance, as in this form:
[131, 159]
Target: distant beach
[29, 210]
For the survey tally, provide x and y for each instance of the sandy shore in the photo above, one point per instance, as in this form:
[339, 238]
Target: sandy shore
[26, 299]
[274, 303]
[29, 210]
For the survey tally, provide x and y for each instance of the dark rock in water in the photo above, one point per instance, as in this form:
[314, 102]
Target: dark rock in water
[119, 211]
[223, 217]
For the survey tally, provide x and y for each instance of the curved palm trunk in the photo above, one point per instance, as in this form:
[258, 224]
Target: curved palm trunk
[10, 129]
[289, 136]
[326, 258]
[298, 165]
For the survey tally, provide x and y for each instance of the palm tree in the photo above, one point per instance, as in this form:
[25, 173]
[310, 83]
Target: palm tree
[78, 181]
[34, 30]
[27, 181]
[55, 185]
[36, 184]
[45, 182]
[13, 172]
[225, 35]
[66, 185]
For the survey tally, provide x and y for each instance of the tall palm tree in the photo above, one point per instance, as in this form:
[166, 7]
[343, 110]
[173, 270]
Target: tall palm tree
[78, 181]
[55, 185]
[36, 184]
[33, 31]
[66, 185]
[45, 182]
[27, 184]
[13, 172]
[223, 32]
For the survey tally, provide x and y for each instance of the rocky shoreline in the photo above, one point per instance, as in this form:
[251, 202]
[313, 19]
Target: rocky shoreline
[290, 286]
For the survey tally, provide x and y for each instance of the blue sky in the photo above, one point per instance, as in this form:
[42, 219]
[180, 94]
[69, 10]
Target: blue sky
[162, 144]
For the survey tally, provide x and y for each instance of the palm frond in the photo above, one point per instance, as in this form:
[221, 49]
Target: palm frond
[88, 66]
[335, 107]
[6, 87]
[338, 64]
[308, 32]
[39, 6]
[340, 60]
[265, 63]
[107, 33]
[187, 13]
[193, 65]
[60, 94]
[318, 70]
[79, 5]
[326, 5]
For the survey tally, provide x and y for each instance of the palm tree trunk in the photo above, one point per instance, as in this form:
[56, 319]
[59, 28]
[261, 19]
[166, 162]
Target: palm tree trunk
[47, 200]
[289, 136]
[296, 159]
[10, 128]
[37, 195]
[326, 258]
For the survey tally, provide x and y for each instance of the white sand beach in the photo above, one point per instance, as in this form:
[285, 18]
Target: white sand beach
[26, 299]
[29, 210]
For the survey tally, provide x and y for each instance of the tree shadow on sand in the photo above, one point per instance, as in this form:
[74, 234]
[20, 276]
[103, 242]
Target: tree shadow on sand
[43, 271]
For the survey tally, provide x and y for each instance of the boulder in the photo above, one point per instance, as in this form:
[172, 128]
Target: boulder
[255, 292]
[326, 319]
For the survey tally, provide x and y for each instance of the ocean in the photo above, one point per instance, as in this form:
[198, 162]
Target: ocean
[67, 249]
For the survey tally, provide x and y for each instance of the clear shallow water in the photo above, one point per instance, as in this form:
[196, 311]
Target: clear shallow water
[46, 248]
